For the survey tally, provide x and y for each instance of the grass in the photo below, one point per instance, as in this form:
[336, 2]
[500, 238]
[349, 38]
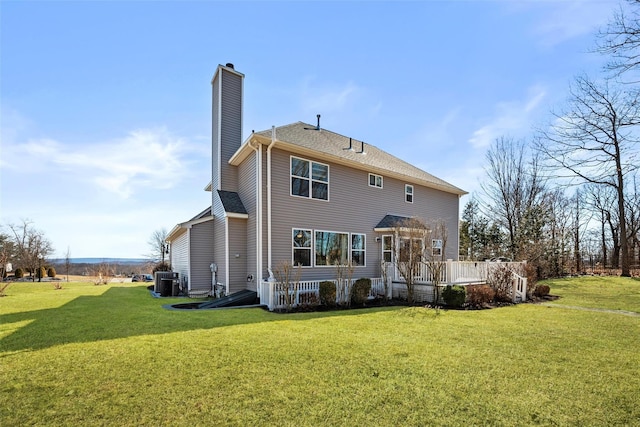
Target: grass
[612, 293]
[111, 355]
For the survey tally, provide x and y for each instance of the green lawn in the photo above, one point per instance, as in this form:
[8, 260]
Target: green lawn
[613, 293]
[111, 355]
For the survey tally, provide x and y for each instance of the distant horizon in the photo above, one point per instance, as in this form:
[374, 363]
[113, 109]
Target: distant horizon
[94, 260]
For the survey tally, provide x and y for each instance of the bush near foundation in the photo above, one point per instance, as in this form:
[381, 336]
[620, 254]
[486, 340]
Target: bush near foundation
[360, 291]
[542, 290]
[327, 293]
[479, 295]
[454, 296]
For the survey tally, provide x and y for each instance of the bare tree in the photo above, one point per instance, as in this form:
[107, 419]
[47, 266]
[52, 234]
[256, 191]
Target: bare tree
[620, 39]
[6, 254]
[514, 188]
[158, 245]
[434, 258]
[410, 234]
[287, 282]
[594, 141]
[601, 201]
[101, 273]
[32, 246]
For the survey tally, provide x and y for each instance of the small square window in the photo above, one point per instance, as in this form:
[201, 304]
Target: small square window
[375, 180]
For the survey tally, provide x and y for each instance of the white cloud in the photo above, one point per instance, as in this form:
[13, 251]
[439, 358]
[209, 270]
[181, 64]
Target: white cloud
[145, 158]
[512, 117]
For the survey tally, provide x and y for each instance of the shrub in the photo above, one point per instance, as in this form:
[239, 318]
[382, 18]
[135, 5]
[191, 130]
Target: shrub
[454, 296]
[479, 295]
[19, 273]
[307, 301]
[541, 290]
[500, 279]
[41, 272]
[51, 272]
[327, 293]
[360, 291]
[161, 266]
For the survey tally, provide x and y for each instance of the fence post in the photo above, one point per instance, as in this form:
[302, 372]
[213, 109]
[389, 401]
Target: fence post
[389, 278]
[449, 272]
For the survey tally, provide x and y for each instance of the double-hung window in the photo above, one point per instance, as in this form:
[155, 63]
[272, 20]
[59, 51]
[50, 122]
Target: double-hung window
[302, 247]
[387, 248]
[357, 249]
[309, 179]
[436, 247]
[408, 193]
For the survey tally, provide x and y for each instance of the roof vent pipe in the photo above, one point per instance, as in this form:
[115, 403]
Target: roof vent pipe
[229, 65]
[362, 148]
[318, 126]
[350, 144]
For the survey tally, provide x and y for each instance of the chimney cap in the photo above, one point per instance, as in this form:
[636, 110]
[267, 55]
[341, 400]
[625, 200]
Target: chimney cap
[229, 65]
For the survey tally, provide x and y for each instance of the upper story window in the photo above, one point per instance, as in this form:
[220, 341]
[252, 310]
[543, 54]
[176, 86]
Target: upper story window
[375, 180]
[309, 179]
[408, 193]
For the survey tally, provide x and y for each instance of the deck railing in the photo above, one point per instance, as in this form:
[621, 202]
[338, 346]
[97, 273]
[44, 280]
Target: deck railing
[303, 292]
[454, 272]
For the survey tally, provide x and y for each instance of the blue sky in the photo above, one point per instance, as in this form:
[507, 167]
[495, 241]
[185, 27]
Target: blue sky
[105, 106]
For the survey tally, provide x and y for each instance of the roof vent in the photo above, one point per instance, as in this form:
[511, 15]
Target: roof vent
[229, 65]
[318, 125]
[362, 148]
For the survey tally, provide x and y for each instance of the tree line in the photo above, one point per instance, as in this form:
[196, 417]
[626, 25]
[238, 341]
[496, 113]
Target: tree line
[567, 199]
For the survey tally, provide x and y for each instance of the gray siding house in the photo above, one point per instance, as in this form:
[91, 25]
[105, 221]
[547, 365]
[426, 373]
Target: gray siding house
[298, 194]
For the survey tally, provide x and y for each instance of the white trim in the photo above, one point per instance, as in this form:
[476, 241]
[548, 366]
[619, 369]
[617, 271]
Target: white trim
[407, 193]
[383, 250]
[258, 276]
[311, 248]
[188, 259]
[310, 178]
[219, 141]
[226, 255]
[236, 215]
[269, 227]
[375, 180]
[363, 250]
[333, 159]
[313, 253]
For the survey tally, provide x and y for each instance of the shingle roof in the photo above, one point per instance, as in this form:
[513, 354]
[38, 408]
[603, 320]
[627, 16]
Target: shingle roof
[391, 221]
[206, 212]
[231, 202]
[334, 144]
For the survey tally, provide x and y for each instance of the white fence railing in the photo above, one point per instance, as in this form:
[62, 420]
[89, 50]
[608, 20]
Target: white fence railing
[453, 272]
[519, 288]
[308, 292]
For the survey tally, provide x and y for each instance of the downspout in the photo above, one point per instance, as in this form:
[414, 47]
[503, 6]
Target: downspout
[258, 150]
[269, 147]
